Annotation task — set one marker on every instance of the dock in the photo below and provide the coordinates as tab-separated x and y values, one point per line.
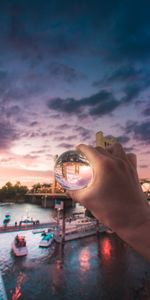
23	227
3	295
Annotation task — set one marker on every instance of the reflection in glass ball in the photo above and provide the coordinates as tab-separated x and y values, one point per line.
73	171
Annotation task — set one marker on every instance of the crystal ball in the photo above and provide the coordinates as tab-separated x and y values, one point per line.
73	171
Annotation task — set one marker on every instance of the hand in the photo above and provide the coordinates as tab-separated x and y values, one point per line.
115	196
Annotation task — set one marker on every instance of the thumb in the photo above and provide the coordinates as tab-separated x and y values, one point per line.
132	159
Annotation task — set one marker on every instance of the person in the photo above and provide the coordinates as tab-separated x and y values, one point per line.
115	196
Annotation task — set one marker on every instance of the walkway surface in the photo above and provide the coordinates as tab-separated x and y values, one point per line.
9	228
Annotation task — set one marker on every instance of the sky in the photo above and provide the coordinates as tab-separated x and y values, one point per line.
67	70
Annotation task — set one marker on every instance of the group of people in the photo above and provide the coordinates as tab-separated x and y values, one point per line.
22	222
20	241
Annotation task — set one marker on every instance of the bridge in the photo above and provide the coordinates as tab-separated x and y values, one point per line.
48	199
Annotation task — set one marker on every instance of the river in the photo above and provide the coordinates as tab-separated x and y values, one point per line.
101	268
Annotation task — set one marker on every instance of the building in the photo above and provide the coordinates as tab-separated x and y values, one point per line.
102	141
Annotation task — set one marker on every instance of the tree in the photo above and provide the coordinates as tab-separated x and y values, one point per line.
9	191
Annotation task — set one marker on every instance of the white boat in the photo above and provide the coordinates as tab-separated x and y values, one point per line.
19	247
35	231
76	232
28	220
47	240
79	222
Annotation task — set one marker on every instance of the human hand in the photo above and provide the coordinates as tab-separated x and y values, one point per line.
115	196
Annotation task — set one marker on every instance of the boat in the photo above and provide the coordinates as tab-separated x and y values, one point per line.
35	231
81	230
47	240
19	247
76	232
28	220
7	219
79	222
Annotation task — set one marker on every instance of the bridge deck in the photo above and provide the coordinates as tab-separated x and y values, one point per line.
47	194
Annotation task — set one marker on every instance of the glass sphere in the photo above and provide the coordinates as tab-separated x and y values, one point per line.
73	171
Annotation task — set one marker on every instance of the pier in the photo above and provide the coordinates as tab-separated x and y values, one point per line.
23	227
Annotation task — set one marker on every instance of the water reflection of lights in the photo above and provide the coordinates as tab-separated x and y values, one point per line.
17	294
84	259
106	248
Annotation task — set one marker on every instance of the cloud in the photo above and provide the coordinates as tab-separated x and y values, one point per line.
69	106
105	107
128	73
123	139
65	138
84	133
123	74
8	134
65	145
61	71
146	111
140	132
11	111
143	166
63	126
34	123
98	104
131	93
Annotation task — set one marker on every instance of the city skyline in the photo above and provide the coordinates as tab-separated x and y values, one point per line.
67	70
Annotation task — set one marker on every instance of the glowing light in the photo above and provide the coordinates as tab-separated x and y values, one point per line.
17	294
146	187
106	248
84	259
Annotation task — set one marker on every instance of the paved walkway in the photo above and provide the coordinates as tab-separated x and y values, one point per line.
9	228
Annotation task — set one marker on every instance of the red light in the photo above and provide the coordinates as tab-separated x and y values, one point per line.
106	248
17	294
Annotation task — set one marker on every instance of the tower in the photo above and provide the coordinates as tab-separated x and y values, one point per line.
102	141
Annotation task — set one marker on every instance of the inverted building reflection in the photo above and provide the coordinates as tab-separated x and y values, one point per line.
84	259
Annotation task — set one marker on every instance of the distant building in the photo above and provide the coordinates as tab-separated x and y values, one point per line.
103	141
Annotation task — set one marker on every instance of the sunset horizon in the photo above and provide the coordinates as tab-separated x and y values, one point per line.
29	177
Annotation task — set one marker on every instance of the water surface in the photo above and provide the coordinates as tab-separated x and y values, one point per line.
101	268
